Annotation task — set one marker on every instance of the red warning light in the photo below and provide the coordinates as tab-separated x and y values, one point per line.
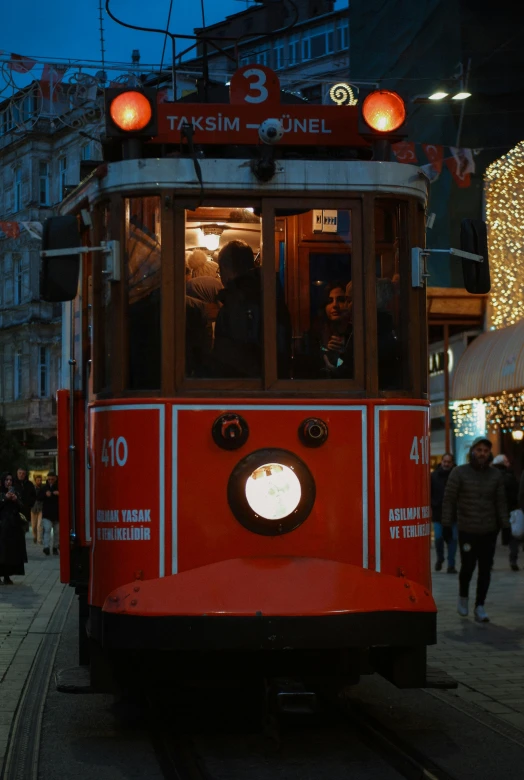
384	111
131	111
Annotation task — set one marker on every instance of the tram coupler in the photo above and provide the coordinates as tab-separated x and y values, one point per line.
291	697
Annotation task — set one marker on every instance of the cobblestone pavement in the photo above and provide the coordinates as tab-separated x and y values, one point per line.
25	610
487	659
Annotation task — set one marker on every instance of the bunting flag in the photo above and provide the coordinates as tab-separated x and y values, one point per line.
435	155
404	151
12	228
461	164
21	64
51	76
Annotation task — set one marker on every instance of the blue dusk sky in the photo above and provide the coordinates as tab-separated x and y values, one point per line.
70	29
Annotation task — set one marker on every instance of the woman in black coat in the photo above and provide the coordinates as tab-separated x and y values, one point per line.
13	553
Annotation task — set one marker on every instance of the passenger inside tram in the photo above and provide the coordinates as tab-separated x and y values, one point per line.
237	348
328	347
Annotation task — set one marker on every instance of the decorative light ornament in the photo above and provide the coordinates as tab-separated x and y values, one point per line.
517	435
342	94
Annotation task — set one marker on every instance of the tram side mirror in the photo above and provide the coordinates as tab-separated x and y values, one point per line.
474	239
59	274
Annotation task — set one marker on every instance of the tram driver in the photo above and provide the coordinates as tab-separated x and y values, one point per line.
237	349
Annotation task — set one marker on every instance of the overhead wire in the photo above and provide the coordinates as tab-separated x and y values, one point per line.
165	36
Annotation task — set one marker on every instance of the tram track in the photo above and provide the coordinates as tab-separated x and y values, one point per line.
195	756
24	746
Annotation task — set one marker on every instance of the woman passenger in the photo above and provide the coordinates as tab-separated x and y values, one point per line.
331	344
13	552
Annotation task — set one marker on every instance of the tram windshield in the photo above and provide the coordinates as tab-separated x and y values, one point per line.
273	296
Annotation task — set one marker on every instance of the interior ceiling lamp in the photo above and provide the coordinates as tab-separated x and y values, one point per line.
517	435
210	236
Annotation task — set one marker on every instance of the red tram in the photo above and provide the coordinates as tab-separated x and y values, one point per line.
244	475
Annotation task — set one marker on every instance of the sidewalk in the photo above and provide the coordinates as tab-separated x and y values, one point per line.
487	659
25	610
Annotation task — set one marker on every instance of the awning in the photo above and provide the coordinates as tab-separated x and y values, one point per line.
492	363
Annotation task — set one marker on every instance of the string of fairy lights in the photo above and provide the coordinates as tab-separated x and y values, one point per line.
505	218
504	413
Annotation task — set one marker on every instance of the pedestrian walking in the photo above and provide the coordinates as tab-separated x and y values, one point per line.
13	554
475	496
49	497
511	486
27	492
439	480
36	513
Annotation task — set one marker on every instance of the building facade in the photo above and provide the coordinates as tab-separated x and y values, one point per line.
41	151
309	51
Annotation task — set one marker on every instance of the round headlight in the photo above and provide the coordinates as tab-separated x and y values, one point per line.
271	492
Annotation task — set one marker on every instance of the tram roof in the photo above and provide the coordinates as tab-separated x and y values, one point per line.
320	178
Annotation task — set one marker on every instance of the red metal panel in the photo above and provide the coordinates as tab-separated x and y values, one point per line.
207	529
128	496
271	586
402	495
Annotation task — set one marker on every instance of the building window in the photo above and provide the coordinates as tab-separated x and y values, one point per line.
43	372
85	152
18	190
18	375
342	34
62	174
43	186
278	56
18	279
318	43
6	121
294	50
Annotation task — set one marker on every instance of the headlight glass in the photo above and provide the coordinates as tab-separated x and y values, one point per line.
273	491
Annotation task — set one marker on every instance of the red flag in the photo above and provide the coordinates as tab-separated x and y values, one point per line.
21	64
404	151
435	154
461	165
51	76
11	229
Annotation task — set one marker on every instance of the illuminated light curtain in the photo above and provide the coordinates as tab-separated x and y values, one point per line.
505	219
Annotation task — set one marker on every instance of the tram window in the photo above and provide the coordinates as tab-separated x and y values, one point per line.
143	253
315	304
223	293
391	339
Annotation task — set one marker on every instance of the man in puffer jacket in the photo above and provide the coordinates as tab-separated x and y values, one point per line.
475	495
